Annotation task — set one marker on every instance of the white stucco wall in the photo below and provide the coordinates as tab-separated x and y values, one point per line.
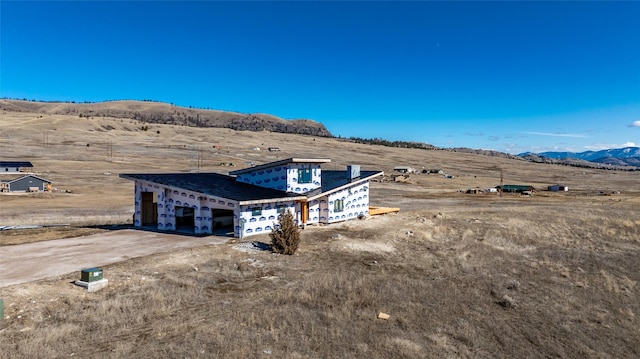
169	198
275	178
323	208
284	178
9	170
251	225
356	202
292	177
314	211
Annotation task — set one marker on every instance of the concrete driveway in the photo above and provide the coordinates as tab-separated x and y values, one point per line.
32	261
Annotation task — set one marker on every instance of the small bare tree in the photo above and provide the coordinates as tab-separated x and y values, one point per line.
285	237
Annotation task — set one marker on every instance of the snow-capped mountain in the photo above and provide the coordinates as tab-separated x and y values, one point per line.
629	156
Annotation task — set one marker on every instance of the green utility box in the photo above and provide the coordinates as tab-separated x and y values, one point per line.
1	309
91	274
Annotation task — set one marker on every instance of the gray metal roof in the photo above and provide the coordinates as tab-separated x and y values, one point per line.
279	163
15	164
214	184
34	176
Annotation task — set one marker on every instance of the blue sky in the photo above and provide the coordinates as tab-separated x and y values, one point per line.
509	76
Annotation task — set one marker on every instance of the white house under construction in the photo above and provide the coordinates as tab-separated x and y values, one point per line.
250	200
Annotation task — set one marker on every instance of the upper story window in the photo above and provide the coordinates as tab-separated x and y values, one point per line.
304	175
256	211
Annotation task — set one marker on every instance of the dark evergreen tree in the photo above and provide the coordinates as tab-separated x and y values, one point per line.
285	237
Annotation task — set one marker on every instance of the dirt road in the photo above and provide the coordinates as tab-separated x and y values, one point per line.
27	262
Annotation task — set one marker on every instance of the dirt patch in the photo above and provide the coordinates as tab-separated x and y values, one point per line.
454	293
369	246
21	236
33	261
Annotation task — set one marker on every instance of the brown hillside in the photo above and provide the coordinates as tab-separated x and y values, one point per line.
164	113
553	275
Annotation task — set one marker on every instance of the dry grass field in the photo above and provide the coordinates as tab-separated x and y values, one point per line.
554	275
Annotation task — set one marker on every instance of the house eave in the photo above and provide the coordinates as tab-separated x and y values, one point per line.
271	200
280	198
29	175
347	185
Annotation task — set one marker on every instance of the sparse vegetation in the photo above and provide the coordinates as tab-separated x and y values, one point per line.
492	287
285	237
399	144
555	275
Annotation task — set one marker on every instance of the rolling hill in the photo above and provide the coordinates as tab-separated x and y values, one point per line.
153	112
165	113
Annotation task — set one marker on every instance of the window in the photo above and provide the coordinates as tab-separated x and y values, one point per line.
281	208
338	205
256	211
304	175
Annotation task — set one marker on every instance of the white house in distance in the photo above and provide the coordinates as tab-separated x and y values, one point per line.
13	166
404	169
249	200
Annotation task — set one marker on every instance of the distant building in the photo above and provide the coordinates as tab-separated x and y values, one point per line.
14	167
28	183
474	191
516	188
558	188
404	169
436	171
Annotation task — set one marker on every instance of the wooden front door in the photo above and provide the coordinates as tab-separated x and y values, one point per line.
304	212
149	210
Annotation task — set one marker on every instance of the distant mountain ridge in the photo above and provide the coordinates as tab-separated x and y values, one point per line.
627	156
165	113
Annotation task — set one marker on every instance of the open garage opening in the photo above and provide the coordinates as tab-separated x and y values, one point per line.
222	222
185	219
